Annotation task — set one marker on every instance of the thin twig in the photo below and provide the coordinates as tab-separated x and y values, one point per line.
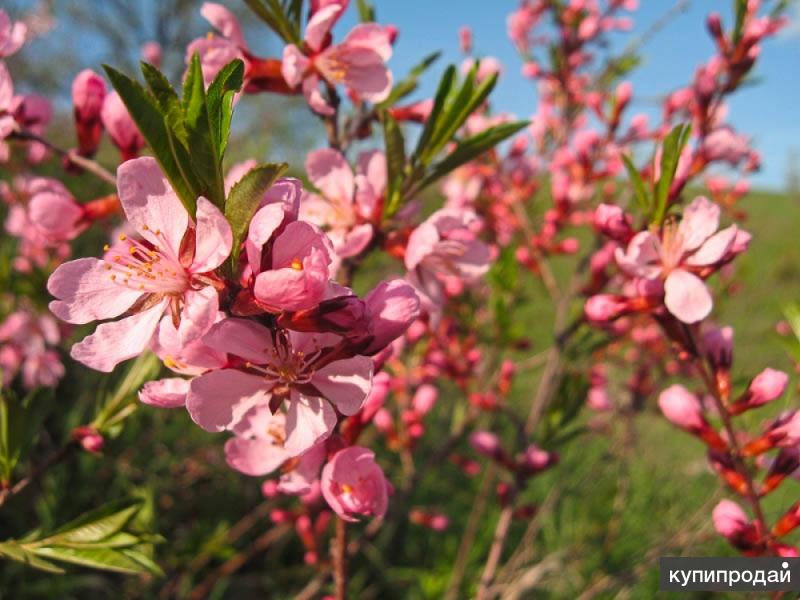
339	556
37	472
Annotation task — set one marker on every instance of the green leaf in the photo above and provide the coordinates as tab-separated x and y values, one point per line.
16	552
106	559
670	155
395	161
148	117
445	84
740	10
470	148
219	98
244	198
272	13
366	11
96	525
639	189
167	99
20	423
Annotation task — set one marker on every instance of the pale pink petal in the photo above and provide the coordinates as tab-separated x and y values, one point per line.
150	204
714	248
421	243
393	306
223	21
686	296
298	240
320	24
346	383
360	69
198	315
214	238
85	292
218	400
6	88
373	37
328	170
165	393
246	339
309	420
116	341
294	65
642	257
700	221
264	223
255	457
315	98
355	241
299	480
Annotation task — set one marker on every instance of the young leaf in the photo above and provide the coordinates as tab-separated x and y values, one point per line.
106	559
219	98
403	88
445	84
366	11
395	152
272	13
151	123
470	148
96	525
244	198
16	552
670	156
639	189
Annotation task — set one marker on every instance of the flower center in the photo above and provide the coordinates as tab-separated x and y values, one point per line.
297	264
145	267
672	246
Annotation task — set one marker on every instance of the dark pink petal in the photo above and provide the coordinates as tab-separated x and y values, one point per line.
686	296
85	292
243	338
219	399
111	343
346	383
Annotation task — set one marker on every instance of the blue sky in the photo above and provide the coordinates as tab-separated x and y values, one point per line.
768	111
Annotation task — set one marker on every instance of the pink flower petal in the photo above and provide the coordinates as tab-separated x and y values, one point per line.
214	238
421	243
219	399
116	341
354	241
294	65
198	315
224	21
714	248
243	338
328	170
373	37
320	24
314	97
255	457
309	420
687	297
393	305
150	204
85	292
346	383
642	257
165	393
700	221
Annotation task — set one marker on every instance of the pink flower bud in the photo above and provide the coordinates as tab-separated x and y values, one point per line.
729	519
89	439
682	408
353	484
383	421
151	53
766	387
719	347
465	39
534	460
424	399
605	307
270	488
120	126
623	94
486	443
88	93
612	221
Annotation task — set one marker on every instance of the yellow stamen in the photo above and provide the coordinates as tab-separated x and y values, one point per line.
297	264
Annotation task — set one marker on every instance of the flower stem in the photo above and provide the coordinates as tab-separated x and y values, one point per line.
339	557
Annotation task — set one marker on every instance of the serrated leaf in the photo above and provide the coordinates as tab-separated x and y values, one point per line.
166	97
670	156
472	147
244	198
106	559
445	84
96	525
639	189
148	117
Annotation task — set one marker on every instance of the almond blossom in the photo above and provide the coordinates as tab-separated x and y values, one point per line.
301	369
682	256
12	35
354	485
167	271
120	127
358	62
350	202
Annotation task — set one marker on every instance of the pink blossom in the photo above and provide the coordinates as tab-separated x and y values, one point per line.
151	52
678	254
424	399
32	113
730	520
291	366
766	387
26	341
12	35
54	211
358	62
7	122
169	392
350	202
157	274
216	51
486	443
120	127
257	448
444	247
353	484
